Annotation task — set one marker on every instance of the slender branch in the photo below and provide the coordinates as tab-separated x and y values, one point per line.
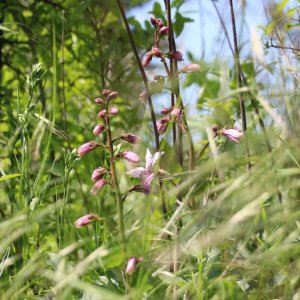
239	82
115	181
145	80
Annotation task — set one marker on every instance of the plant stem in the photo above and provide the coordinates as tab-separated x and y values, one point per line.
145	80
239	82
115	181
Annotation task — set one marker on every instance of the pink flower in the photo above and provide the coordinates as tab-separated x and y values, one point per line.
114	111
86	148
159	23
99	101
132	263
164	30
102	114
177	113
153	21
98	173
190	68
156	52
113	95
130	138
177	55
98	129
143	96
147	59
145	174
162	124
165	110
131	156
233	134
98	186
106	92
85	220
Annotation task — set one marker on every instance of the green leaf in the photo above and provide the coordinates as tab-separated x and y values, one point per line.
7	177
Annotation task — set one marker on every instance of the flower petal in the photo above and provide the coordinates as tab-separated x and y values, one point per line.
138	172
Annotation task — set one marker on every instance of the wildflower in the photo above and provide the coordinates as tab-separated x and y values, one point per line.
130	138
102	114
99	101
156	52
114	111
98	173
86	148
190	68
147	59
106	92
164	30
85	220
98	186
145	174
177	56
177	113
165	110
143	96
159	23
153	21
98	129
132	263
233	134
113	95
130	156
162	124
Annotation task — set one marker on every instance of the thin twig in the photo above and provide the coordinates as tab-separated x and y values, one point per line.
145	80
239	82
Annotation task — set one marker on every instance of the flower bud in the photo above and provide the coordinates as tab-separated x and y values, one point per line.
98	173
177	55
86	148
156	52
99	101
159	77
233	134
153	21
166	110
98	186
164	30
190	68
113	111
102	114
132	263
98	129
162	125
130	138
159	23
106	92
113	95
177	113
85	220
130	156
147	59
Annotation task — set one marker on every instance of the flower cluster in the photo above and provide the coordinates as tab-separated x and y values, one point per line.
101	176
172	114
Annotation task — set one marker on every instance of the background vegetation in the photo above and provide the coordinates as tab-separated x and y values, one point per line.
231	226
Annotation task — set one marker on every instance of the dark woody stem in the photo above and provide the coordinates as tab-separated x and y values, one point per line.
239	82
145	80
115	181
